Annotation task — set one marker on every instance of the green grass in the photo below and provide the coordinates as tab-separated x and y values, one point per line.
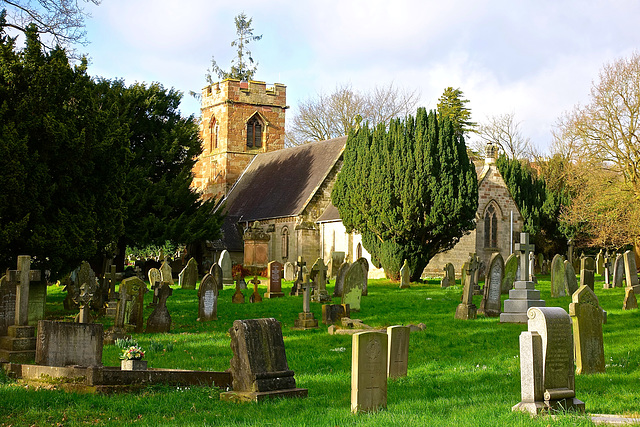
460	372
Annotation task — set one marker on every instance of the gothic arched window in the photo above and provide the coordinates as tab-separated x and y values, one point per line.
213	134
490	227
254	132
285	242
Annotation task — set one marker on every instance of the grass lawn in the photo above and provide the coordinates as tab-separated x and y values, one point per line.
461	373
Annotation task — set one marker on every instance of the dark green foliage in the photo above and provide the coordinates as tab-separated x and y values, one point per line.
411	190
452	105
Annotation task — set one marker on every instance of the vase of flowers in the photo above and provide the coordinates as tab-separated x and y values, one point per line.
131	359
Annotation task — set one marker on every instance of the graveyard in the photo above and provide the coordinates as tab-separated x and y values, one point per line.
460	372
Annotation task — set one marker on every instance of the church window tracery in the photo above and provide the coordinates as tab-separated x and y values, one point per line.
254	132
491	227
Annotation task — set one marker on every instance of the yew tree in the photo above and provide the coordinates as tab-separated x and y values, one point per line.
409	189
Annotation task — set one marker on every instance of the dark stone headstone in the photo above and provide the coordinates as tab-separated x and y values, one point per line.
160	320
66	343
208	299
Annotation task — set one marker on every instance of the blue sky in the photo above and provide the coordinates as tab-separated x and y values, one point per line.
536	59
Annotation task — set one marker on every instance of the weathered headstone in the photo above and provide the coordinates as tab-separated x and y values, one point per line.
160	320
587	263
188	277
226	265
306	319
547	377
510	273
491	305
405	275
398	351
368	371
167	272
587	278
289	271
532	267
333	313
558	277
337	258
319	277
467	309
296	289
449	278
364	264
630	302
84	299
586	317
259	365
208	299
606	271
131	302
155	280
463	273
66	343
524	295
256	247
599	262
342	272
274	285
7	305
618	271
570	280
631	272
255	296
353	282
216	272
238	296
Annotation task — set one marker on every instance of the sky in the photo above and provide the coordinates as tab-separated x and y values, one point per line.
536	59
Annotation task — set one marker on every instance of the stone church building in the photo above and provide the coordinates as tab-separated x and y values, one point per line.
245	166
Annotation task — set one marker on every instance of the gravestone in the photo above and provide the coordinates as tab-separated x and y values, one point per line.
570	278
368	371
532	266
547	376
405	275
524	295
599	262
66	343
289	271
238	296
337	258
510	273
319	277
467	309
208	299
7	305
274	284
353	283
631	272
259	365
587	263
333	313
630	302
226	265
216	272
587	278
160	320
132	302
586	317
188	277
618	271
255	296
449	278
167	272
475	273
606	271
306	319
84	299
71	288
256	248
110	280
558	277
364	264
463	273
398	351
296	289
490	305
155	280
342	272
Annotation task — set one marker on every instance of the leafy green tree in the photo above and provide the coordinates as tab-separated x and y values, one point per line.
243	66
410	190
452	105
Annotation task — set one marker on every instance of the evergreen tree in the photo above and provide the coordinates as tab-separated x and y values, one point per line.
452	105
410	190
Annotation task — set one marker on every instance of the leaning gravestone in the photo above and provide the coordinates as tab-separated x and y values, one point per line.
368	371
364	264
405	275
289	271
586	316
259	365
547	377
160	320
449	278
491	305
167	273
618	271
510	273
66	343
337	258
398	351
570	278
274	284
208	299
188	277
353	283
557	277
342	272
631	272
226	265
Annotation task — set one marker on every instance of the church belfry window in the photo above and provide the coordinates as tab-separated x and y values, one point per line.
254	132
491	227
285	243
213	134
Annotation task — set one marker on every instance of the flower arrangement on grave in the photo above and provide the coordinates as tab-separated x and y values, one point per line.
132	353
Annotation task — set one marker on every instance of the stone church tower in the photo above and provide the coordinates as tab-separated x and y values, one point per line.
239	121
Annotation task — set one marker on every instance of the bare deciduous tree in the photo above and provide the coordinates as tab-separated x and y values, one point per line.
333	115
504	131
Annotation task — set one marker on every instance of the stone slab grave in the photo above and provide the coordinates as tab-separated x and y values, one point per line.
289	271
167	272
369	371
274	283
587	317
306	319
467	310
259	365
226	265
491	306
353	283
188	277
159	320
524	295
449	278
319	277
67	343
364	264
208	299
18	288
511	267
618	271
547	377
631	271
405	275
334	313
570	278
398	351
342	272
155	280
630	301
558	278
